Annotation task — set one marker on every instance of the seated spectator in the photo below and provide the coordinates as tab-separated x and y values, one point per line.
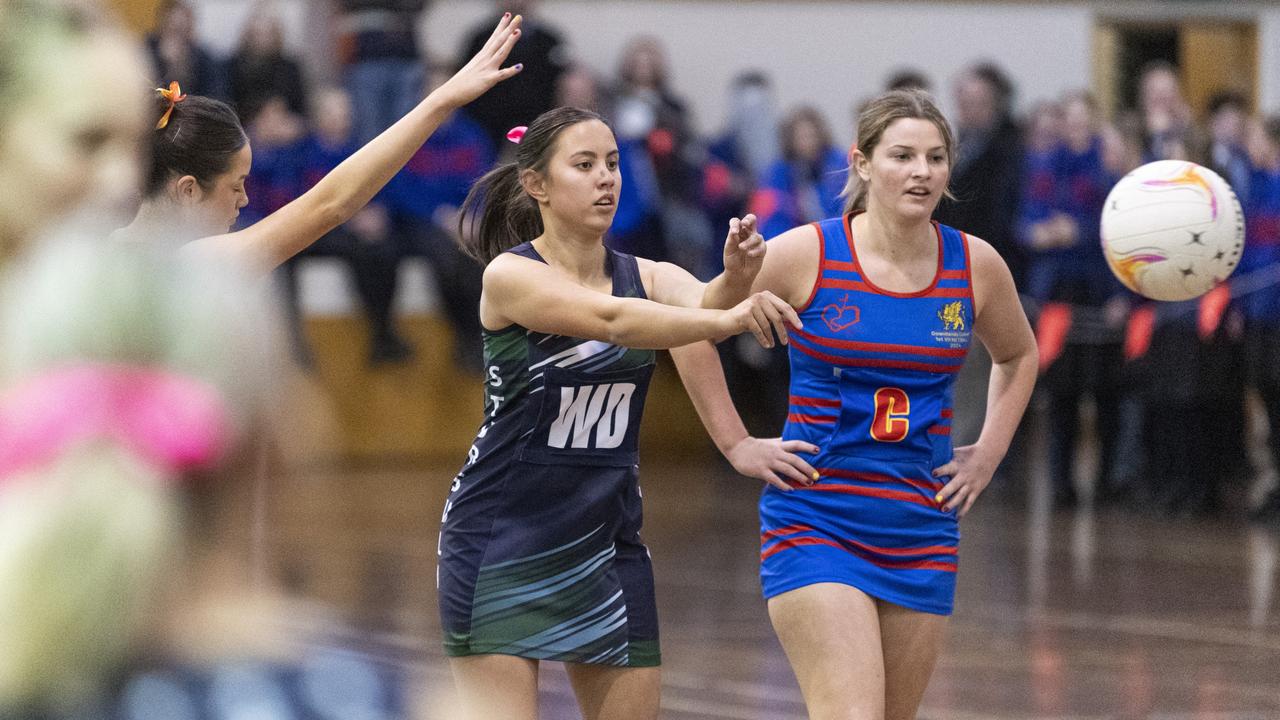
651	119
804	184
364	242
260	69
745	148
424	199
179	56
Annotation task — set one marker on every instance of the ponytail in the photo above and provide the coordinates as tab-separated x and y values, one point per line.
498	214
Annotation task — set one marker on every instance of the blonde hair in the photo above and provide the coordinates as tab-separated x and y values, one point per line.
85	538
876	117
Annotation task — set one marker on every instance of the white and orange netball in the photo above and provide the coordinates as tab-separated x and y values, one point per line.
1172	230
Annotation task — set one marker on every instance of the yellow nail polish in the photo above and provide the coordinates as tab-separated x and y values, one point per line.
815	474
937	498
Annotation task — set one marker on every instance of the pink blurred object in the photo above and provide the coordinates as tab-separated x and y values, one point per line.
516	134
178	423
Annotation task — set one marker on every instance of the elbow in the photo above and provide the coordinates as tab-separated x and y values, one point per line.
1033	358
614	324
334	212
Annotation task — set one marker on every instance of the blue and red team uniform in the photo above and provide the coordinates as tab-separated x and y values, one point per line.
871	386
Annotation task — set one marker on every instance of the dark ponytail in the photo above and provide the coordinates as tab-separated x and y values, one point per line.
498	214
200	139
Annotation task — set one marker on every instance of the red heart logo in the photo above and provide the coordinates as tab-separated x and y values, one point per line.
839	317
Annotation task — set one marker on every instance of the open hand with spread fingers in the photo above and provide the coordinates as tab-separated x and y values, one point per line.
485	69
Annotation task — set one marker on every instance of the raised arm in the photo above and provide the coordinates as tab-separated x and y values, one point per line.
744	252
1002	326
352	184
538	297
767	459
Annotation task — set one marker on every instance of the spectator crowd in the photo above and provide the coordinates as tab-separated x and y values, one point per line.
1170	385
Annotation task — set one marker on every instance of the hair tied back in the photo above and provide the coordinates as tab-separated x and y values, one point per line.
174	95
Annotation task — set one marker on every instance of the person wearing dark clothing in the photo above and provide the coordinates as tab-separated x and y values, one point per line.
985	179
178	57
281	174
424	199
543	54
261	70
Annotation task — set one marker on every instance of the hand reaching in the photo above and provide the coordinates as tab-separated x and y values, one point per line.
763	315
485	69
744	250
768	458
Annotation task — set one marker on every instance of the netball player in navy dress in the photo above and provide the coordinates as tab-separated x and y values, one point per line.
540	551
859	568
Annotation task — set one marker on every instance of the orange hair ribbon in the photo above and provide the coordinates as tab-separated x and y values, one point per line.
174	95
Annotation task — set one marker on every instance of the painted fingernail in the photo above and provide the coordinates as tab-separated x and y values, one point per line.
815	475
506	15
937	498
519	66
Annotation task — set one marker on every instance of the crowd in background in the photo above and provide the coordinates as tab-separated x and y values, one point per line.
1168	383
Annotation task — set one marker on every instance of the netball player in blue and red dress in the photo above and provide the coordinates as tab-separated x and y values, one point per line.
859	568
540	551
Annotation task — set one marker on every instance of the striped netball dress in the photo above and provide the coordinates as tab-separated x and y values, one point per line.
540	553
871	379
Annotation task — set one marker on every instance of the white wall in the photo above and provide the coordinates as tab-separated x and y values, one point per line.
1269	61
826	53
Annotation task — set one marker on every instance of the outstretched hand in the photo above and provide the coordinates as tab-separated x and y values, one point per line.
763	315
773	461
744	250
485	69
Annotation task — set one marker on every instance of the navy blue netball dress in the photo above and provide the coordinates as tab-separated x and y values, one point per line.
871	379
540	551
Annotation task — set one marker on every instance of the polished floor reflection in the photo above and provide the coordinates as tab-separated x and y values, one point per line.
1059	615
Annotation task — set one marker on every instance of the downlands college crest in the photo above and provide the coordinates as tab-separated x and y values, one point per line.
955	331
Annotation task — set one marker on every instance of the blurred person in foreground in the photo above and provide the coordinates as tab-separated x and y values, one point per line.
77	141
104	398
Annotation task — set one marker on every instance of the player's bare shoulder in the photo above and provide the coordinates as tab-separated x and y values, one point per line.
988	270
791	264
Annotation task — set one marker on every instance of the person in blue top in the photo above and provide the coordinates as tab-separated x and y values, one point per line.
423	200
540	549
1261	265
1067	266
805	183
859	568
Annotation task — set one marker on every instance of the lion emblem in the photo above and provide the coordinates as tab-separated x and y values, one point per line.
952	316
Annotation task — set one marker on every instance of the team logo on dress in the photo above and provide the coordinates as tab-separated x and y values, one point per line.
600	410
955	331
842	315
952	316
